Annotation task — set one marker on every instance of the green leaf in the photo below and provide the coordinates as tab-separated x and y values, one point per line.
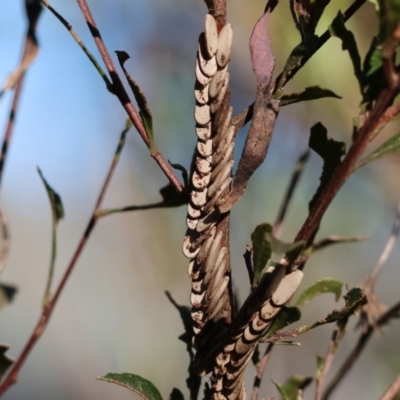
390	146
144	111
290	250
287	343
5	361
184	312
320	367
339	30
261	251
373	75
327	285
302	51
176	394
292	389
137	384
208	392
256	356
309	93
7	294
170	196
287	316
329	150
354	299
55	200
193	381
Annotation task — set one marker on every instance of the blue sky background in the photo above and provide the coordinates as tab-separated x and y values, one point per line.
113	315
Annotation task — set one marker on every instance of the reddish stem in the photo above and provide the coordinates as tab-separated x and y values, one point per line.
122	94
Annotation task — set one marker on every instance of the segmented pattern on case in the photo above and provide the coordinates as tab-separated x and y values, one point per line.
205	243
254	317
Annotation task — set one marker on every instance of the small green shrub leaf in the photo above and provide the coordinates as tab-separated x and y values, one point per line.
327	285
292	389
331	151
302	51
320	367
390	146
354	298
373	74
309	93
136	383
261	250
287	316
256	356
176	394
184	312
287	343
5	361
144	111
7	294
170	196
339	30
56	204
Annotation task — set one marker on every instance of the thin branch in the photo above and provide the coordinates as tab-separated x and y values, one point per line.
260	368
392	391
12	376
298	170
351	359
344	169
122	95
16	80
337	336
389	246
80	43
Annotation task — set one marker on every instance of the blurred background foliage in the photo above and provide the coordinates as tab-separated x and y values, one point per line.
113	315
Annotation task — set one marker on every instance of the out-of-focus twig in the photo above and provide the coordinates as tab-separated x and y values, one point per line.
298	170
392	391
260	368
80	43
393	312
16	80
389	245
12	376
337	336
120	92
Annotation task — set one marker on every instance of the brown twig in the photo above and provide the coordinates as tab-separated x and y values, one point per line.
29	53
12	376
80	43
361	343
337	336
122	95
298	170
392	391
344	169
389	245
260	368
